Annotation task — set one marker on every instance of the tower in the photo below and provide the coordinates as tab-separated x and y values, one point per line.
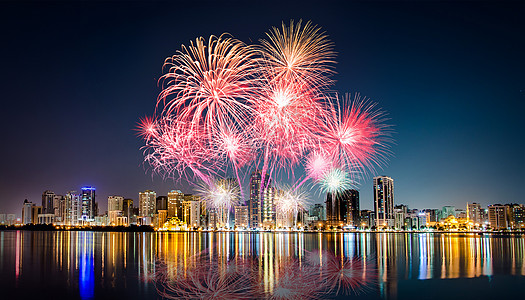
384	201
88	203
147	203
259	199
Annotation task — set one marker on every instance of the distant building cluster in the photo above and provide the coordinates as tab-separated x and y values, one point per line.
183	211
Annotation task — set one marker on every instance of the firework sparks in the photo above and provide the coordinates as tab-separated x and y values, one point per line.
227	106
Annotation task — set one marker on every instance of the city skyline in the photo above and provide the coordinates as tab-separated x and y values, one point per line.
454	129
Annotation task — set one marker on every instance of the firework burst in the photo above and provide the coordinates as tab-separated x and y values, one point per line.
227	106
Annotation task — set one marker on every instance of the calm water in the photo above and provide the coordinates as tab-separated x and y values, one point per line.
99	265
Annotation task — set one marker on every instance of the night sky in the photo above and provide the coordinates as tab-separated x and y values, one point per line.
77	77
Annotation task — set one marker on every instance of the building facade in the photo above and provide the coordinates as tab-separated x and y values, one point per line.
384	201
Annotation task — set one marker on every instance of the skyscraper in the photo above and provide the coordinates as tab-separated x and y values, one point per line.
384	201
27	211
115	209
147	203
474	212
88	203
498	216
73	208
259	199
343	209
47	202
175	199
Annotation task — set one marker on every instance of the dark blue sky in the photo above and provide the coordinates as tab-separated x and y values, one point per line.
76	78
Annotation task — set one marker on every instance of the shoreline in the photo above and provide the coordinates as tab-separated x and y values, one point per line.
134	228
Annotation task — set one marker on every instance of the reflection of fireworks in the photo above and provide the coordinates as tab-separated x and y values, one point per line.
207	281
320	276
347	275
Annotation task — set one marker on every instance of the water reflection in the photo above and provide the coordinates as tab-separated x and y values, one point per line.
87	265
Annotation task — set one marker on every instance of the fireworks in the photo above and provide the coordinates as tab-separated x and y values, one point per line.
226	107
335	181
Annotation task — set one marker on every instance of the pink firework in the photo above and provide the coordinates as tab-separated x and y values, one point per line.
173	147
210	85
355	135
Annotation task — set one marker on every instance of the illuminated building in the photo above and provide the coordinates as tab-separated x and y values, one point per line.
343	209
384	201
27	210
128	211
59	205
367	218
115	209
47	202
46	218
475	212
36	210
261	200
517	215
72	208
175	198
87	197
241	216
147	203
498	217
400	213
192	210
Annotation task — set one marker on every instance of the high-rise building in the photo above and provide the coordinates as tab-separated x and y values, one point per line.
27	210
400	213
47	202
147	203
261	200
192	210
115	209
175	199
498	216
384	201
59	208
516	215
475	212
343	208
87	196
72	208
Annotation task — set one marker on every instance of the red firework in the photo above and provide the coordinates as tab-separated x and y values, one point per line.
355	135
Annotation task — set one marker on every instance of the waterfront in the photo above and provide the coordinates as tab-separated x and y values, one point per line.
87	265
